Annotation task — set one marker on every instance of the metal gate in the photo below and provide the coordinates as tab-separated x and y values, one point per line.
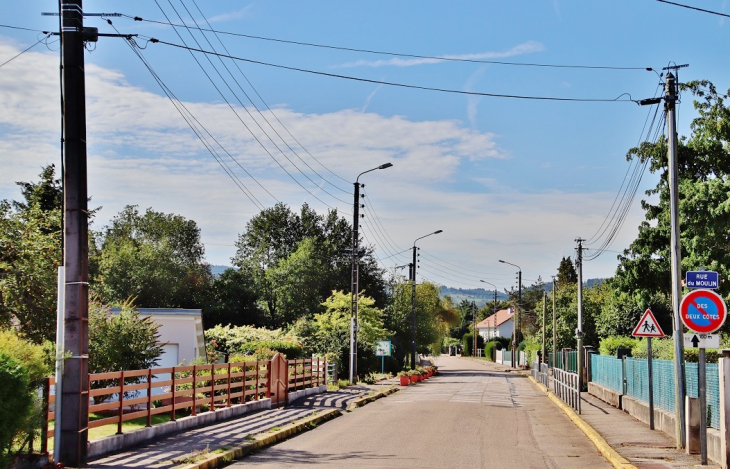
279	381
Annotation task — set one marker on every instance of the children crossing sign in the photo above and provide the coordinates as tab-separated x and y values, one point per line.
648	326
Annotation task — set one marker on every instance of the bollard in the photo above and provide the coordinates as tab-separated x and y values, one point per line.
692	428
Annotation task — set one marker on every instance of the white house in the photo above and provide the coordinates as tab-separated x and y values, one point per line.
499	324
181	332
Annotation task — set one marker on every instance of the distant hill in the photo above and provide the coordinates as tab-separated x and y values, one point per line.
481	296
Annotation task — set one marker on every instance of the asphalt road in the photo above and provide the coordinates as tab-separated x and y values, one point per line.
468	417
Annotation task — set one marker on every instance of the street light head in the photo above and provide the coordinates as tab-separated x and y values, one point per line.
386	165
503	262
439	231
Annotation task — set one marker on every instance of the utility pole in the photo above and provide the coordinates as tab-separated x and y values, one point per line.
354	315
544	310
474	319
518	322
579	330
670	100
413	310
71	450
555	323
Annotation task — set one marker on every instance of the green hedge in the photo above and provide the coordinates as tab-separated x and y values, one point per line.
16	403
289	349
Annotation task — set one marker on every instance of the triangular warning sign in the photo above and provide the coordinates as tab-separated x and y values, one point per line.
648	326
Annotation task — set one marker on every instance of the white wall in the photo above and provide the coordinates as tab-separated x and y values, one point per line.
503	330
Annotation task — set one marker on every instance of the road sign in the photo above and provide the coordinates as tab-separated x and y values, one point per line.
703	311
702	279
648	326
701	340
382	348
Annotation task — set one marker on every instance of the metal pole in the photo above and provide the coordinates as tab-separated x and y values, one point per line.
702	381
544	310
413	310
651	383
494	332
519	315
579	330
474	320
355	279
670	101
555	323
75	392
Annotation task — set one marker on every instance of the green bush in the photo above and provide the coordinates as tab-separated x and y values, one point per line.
609	345
16	403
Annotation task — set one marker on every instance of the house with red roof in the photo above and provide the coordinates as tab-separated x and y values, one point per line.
499	324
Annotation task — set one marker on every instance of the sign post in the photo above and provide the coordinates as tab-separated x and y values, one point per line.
648	327
382	350
704	312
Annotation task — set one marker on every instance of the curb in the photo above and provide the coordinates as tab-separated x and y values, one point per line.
366	400
262	441
618	461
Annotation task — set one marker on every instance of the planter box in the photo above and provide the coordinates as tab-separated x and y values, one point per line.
405	381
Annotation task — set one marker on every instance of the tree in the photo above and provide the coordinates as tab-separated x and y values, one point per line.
566	272
704	212
233	301
297	259
155	258
30	253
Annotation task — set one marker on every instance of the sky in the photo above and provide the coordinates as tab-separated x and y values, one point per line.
504	178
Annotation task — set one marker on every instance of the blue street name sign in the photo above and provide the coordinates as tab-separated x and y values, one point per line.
703	279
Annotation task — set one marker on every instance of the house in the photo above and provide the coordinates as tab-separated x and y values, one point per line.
499	324
181	333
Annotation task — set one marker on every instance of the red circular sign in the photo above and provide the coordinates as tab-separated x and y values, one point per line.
703	311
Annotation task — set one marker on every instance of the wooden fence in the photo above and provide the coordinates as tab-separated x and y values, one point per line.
128	395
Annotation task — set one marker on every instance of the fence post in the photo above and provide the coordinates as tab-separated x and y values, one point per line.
149	397
212	387
195	380
172	412
268	379
228	401
257	381
121	401
46	398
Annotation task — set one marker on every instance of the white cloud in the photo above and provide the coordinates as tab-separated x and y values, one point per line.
524	48
233	15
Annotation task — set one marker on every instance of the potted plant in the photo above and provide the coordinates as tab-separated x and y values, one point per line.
414	376
404	378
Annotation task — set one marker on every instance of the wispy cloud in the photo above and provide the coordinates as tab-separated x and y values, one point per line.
233	15
472	102
370	98
524	48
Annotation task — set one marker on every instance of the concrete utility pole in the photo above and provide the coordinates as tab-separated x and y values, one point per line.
544	311
413	299
579	330
474	319
71	450
355	291
670	100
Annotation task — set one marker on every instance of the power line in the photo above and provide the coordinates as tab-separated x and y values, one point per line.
26	50
403	54
231	107
23	29
400	85
695	8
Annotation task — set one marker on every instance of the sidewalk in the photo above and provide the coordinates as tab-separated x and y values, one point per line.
178	449
627	436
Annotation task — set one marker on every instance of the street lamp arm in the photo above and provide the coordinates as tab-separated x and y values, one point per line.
515	265
382	166
426	236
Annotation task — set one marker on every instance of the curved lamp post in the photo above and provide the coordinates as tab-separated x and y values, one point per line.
413	299
517	310
354	316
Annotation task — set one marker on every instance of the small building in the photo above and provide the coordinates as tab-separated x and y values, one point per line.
499	324
181	333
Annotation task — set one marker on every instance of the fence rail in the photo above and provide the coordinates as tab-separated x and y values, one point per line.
119	397
566	388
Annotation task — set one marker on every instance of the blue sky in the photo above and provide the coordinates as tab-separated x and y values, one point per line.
504	178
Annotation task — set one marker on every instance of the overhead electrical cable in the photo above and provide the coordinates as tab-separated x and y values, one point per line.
261	114
402	54
192	123
234	111
695	8
483	274
23	29
400	85
26	50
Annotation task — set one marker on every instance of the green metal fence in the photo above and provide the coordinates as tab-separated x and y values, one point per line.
572	361
607	371
712	385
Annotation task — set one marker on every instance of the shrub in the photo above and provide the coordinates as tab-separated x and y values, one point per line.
610	345
16	403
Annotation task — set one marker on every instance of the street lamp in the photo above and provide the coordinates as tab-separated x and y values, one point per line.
494	311
413	299
354	313
516	329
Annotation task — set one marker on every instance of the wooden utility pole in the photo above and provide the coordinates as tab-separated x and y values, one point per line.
71	450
